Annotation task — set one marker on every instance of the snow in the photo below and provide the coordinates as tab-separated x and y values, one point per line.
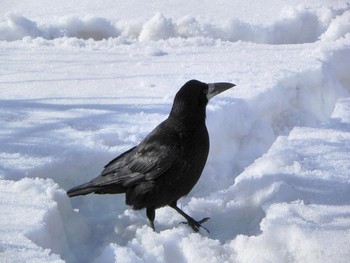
293	25
81	83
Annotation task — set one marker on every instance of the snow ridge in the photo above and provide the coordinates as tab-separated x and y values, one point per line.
297	25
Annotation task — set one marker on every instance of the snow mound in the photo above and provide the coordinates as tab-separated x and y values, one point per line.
38	230
17	27
339	27
294	25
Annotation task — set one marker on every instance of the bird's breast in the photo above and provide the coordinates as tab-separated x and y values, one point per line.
193	156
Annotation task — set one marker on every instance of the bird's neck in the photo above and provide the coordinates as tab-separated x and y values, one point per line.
187	119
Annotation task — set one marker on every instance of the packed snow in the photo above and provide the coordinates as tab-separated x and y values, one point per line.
81	83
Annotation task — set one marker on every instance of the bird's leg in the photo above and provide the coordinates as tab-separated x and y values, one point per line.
151	214
195	225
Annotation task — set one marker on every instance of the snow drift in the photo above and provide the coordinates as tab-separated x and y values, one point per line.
295	25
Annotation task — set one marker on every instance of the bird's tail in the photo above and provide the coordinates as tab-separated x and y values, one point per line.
83	189
96	188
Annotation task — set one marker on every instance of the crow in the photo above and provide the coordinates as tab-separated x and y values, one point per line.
168	162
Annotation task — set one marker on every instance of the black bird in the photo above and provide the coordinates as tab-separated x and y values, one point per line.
168	163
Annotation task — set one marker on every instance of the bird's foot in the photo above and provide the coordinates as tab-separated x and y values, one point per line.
196	225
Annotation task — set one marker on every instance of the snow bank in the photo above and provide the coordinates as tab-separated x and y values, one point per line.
294	25
294	183
17	27
304	99
298	233
36	214
339	27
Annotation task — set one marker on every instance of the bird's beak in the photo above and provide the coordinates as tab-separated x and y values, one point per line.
216	88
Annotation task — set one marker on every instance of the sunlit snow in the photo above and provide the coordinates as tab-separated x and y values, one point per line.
80	83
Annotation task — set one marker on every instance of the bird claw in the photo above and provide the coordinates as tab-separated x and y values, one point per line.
196	225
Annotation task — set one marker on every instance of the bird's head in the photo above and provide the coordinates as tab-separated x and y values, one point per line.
192	98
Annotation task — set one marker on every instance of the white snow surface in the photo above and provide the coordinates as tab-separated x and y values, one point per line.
80	83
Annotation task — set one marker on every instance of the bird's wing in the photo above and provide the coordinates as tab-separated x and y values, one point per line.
148	163
145	162
117	163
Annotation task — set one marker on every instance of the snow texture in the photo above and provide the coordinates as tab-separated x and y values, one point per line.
81	83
